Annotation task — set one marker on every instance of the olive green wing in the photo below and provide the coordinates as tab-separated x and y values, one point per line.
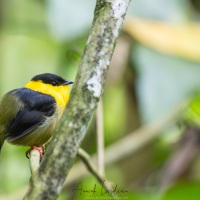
10	105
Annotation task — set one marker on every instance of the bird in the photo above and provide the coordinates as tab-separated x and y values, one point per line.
29	115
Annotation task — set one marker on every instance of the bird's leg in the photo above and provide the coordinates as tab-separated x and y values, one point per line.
40	149
43	149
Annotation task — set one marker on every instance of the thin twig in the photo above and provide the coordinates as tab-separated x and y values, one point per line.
84	156
100	138
34	160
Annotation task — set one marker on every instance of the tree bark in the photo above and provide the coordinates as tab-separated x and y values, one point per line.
86	92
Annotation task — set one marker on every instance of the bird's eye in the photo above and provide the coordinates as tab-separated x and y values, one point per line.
54	83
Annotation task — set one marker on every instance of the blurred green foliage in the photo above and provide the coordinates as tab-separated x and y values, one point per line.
184	191
192	114
42	36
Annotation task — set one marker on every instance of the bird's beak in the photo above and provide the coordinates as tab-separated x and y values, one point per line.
68	82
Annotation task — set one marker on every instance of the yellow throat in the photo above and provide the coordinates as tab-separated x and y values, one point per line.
59	93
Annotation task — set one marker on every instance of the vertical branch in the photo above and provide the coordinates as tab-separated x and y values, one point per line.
86	92
100	138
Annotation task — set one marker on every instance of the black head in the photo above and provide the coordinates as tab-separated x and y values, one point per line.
52	79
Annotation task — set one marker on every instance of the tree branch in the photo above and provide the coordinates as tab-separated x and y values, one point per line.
34	161
87	89
84	156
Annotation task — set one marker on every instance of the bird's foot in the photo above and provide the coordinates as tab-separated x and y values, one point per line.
40	149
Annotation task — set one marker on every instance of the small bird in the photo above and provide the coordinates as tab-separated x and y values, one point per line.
29	115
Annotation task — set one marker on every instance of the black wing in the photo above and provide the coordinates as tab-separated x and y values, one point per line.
36	107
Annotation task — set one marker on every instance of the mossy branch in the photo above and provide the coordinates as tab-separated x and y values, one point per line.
88	87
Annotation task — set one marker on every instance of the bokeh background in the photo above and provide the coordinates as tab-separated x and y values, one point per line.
151	101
